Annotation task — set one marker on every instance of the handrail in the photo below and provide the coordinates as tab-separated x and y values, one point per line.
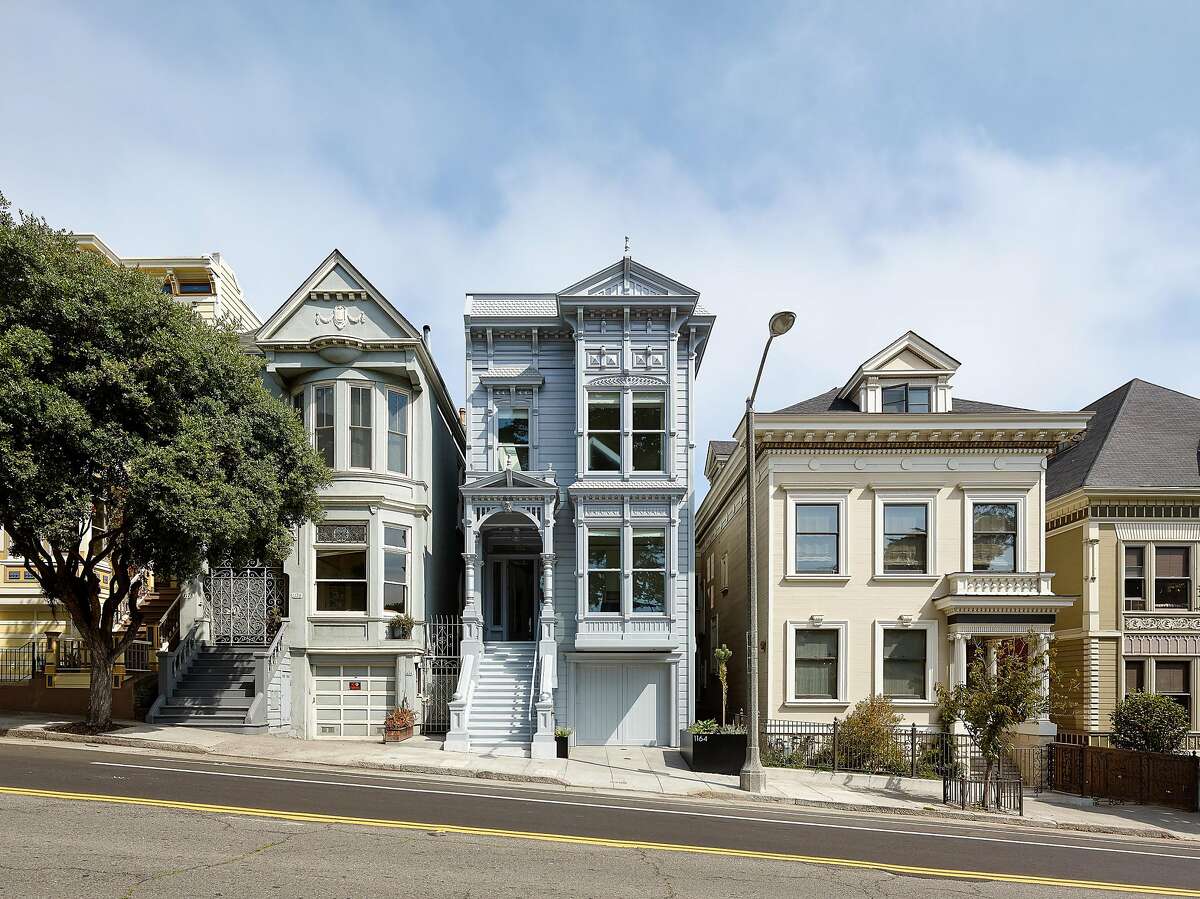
266	663
533	682
15	668
172	664
165	631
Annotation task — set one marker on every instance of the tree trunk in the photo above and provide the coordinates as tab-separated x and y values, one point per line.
100	691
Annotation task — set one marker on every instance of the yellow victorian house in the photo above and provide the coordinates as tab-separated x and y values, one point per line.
208	284
1123	533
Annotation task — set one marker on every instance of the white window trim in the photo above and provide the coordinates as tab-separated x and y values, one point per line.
1151	565
310	420
931	659
407	551
622	432
835	496
724	571
511	407
843	628
386	431
668	593
1147	583
365	548
373	392
664	431
585	567
911	496
971	496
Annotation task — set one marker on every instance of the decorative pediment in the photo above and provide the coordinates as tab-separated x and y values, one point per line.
507	480
627	381
336	300
627	278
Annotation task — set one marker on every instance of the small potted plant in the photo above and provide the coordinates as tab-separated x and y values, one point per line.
398	725
562	737
401	627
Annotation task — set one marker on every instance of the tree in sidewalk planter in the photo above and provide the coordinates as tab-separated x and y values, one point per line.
1148	722
133	437
723	654
991	705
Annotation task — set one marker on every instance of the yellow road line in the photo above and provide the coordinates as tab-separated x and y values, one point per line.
314	818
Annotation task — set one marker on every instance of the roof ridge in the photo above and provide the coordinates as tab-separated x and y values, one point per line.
1127	387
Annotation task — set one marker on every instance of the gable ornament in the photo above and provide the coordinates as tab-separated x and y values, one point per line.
340	317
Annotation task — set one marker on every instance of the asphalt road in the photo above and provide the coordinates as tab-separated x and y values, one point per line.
99	823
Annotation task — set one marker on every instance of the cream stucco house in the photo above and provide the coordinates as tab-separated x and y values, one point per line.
900	530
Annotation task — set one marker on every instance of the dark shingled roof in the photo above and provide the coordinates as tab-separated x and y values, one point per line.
1141	435
722	447
829	402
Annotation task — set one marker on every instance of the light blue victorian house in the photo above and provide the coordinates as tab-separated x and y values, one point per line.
578	514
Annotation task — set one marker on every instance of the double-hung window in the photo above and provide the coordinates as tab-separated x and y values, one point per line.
604	432
904	663
649	570
906	398
1135	676
994	536
1172	577
360	426
341	574
323	421
1135	579
905	538
604	571
512	431
397	445
649	432
395	568
816	547
1173	679
815	663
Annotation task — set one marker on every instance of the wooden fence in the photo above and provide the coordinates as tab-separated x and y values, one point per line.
1120	774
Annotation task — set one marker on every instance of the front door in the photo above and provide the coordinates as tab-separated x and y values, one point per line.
512	598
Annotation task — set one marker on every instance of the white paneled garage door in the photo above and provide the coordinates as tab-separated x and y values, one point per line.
621	704
353	699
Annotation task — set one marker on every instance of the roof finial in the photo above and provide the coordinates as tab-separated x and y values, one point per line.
626	246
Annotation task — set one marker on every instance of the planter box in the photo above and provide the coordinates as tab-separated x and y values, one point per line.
560	745
714	753
397	736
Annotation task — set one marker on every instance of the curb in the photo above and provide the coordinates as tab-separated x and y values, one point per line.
707	795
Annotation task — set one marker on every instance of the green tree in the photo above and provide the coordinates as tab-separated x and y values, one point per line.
990	705
723	654
132	436
1147	722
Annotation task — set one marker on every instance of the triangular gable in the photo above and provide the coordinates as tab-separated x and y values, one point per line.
508	479
336	300
910	352
628	278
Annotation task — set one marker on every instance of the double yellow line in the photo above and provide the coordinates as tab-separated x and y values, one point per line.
313	818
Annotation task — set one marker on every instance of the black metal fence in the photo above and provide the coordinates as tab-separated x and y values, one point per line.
1103	739
74	654
22	663
1005	794
439	671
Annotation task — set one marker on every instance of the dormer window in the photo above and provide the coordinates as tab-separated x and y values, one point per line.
201	288
906	398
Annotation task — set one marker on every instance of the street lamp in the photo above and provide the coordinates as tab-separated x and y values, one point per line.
753	778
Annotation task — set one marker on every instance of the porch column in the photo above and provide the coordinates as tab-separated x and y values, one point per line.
472	610
958	671
990	648
546	618
542	746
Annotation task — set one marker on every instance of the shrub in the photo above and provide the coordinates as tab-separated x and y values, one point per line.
1147	722
866	739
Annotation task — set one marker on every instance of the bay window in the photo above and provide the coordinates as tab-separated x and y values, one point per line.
395	568
1135	676
604	432
994	536
1172	577
1173	679
397	444
323	421
342	580
649	432
1135	579
649	570
604	571
360	426
512	431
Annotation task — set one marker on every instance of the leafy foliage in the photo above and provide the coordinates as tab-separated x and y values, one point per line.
723	654
866	740
990	705
133	436
1148	722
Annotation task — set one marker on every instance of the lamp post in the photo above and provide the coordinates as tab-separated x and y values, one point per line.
753	778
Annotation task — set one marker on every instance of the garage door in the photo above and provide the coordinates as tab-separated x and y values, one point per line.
621	704
353	699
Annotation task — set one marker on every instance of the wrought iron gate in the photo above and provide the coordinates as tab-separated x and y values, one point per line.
246	604
439	671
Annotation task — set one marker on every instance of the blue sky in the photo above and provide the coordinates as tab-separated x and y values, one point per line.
1016	181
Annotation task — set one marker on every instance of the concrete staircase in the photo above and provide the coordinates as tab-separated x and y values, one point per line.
215	692
499	717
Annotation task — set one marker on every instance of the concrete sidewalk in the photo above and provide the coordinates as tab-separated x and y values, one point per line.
651	771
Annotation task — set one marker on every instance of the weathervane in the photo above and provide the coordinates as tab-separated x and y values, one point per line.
626	244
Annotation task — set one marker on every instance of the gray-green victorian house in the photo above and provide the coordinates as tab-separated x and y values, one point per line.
362	379
578	514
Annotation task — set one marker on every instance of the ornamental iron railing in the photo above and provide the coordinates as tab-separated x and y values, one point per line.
22	663
439	671
1004	794
1122	775
245	604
